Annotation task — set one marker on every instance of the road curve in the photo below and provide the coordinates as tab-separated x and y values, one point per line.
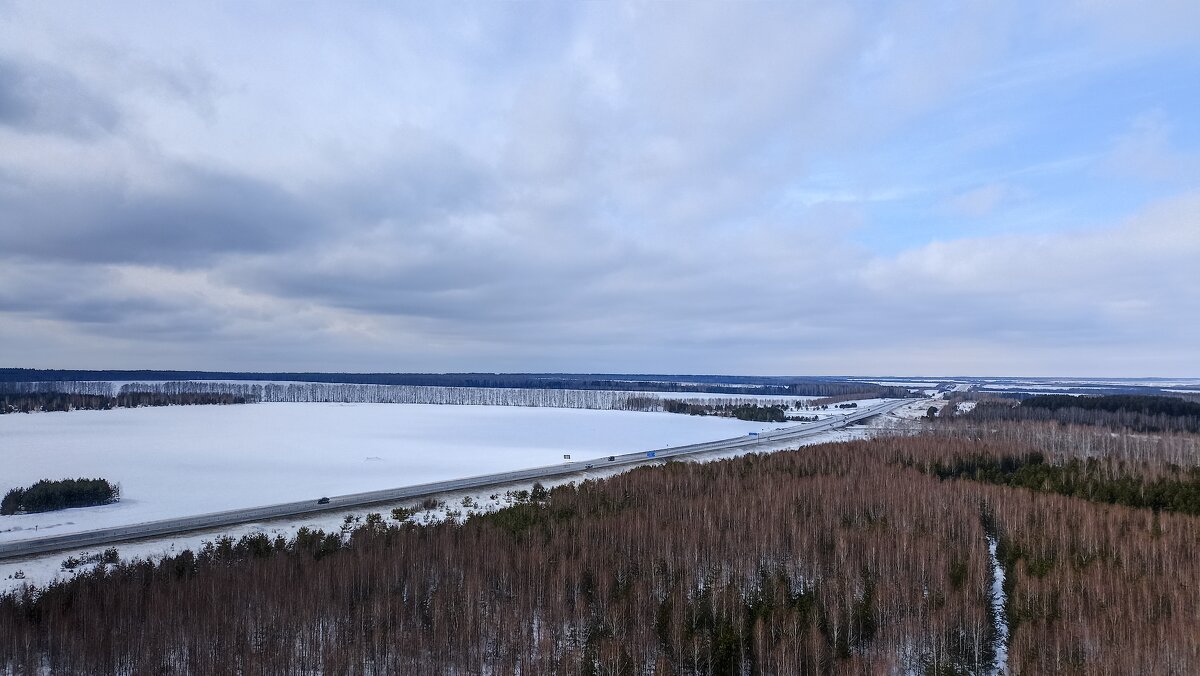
108	536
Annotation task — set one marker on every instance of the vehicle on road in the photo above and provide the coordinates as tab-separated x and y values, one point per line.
323	501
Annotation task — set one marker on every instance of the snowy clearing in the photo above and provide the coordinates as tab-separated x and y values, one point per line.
185	460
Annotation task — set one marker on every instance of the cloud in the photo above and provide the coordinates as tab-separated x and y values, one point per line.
1119	285
1145	152
983	201
199	215
1148	26
43	98
641	186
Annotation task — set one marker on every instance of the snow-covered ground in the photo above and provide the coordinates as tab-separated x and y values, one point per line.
185	460
40	570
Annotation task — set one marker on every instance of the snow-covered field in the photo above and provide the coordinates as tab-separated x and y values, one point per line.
185	460
40	570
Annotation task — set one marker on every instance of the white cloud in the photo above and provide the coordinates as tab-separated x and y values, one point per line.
984	200
641	187
1145	152
1133	279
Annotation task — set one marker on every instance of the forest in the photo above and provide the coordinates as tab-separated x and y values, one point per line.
1118	412
742	409
859	557
29	402
716	384
759	413
71	395
47	495
1149	405
751	412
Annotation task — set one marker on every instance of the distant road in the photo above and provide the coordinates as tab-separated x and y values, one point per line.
108	536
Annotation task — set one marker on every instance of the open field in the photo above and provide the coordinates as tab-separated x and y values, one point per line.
184	460
40	570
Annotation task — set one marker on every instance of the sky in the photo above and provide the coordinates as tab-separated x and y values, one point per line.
953	188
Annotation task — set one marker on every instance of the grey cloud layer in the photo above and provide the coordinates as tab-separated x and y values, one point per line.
618	196
106	221
38	97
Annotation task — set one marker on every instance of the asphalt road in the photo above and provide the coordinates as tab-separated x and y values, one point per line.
108	536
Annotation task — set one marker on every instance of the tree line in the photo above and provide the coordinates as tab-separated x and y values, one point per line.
1095	479
746	409
420	394
718	384
760	413
60	401
1122	412
47	495
1149	405
66	396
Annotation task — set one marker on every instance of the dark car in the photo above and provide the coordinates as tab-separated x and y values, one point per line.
323	501
611	458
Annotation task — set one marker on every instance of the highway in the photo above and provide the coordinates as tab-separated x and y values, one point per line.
109	536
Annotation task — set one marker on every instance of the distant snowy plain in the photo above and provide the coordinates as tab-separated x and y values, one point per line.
185	460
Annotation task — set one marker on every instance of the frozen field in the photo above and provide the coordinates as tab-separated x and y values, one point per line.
183	460
41	570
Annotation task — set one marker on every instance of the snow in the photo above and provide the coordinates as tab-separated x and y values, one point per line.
184	460
40	570
917	409
999	600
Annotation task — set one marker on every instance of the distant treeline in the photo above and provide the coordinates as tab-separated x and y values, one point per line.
744	411
1091	479
1149	405
1120	412
760	413
420	394
93	387
68	395
60	401
47	496
408	394
685	407
779	385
